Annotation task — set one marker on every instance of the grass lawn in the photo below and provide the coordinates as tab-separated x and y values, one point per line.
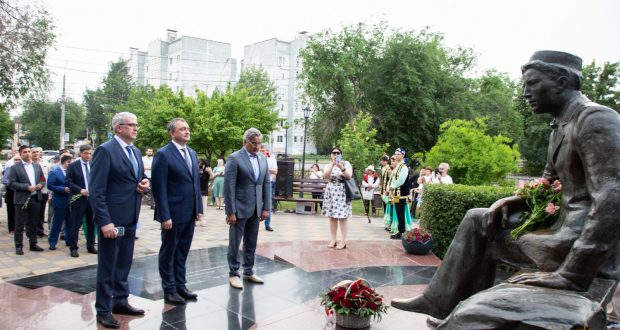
358	206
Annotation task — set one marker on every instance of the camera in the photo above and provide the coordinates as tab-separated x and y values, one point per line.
437	171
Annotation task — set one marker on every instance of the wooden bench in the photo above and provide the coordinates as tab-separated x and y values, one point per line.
307	187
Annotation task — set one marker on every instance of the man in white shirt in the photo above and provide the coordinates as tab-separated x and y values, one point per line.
147	160
37	158
272	164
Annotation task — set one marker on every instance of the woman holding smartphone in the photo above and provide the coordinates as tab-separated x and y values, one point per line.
335	204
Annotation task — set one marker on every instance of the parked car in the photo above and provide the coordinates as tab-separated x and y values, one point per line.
49	154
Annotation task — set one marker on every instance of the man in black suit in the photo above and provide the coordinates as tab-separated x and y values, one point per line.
116	187
26	179
78	177
176	188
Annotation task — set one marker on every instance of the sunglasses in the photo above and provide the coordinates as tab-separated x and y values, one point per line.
335	152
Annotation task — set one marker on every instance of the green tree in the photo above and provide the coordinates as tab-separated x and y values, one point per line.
256	81
335	74
417	78
41	121
217	123
474	157
103	103
601	84
7	128
359	143
26	35
493	96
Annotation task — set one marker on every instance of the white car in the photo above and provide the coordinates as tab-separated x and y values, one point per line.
49	154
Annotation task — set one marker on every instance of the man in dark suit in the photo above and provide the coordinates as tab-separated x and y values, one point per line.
26	179
176	188
60	199
78	177
247	196
584	155
116	187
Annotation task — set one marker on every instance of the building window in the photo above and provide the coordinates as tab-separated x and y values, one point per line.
280	138
171	60
281	107
169	76
295	138
147	68
178	58
281	60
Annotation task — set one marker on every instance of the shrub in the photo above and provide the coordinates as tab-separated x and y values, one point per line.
445	206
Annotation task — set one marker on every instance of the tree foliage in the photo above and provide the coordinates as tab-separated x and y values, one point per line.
474	157
101	104
601	84
257	83
335	76
7	128
359	143
41	121
217	123
26	35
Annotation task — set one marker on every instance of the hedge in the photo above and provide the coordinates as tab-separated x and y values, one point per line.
445	206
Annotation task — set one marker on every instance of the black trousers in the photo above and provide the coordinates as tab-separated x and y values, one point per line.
10	209
78	211
400	214
42	207
27	218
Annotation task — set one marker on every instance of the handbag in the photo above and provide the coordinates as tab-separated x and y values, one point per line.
352	192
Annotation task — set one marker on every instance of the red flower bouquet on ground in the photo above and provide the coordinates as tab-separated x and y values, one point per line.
417	241
354	298
543	199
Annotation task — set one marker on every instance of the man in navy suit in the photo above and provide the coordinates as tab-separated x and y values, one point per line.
60	199
176	189
116	188
78	177
248	199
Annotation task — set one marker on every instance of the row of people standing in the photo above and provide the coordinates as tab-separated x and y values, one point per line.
28	178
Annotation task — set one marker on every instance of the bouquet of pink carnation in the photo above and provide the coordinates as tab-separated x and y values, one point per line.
543	199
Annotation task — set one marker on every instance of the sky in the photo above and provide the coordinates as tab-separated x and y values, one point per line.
503	34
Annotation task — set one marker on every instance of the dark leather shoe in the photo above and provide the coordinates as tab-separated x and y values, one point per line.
52	247
74	253
173	299
19	251
108	321
268	229
396	236
36	248
186	294
92	250
127	309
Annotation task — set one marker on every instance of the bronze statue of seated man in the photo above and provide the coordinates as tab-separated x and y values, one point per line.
584	154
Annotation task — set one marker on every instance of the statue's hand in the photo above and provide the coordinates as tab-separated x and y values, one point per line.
497	212
546	279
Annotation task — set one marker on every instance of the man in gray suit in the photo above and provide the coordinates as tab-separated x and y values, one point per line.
26	179
247	195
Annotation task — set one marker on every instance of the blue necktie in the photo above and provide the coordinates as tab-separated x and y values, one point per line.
187	159
132	159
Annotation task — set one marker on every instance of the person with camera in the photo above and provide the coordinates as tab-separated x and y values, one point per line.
335	204
441	174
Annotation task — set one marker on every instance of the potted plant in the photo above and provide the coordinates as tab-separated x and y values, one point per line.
354	303
417	241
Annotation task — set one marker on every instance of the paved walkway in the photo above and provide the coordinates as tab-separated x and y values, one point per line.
289	227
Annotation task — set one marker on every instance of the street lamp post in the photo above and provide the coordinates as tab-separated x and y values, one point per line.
303	154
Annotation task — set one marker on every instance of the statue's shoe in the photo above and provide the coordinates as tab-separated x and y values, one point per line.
419	304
